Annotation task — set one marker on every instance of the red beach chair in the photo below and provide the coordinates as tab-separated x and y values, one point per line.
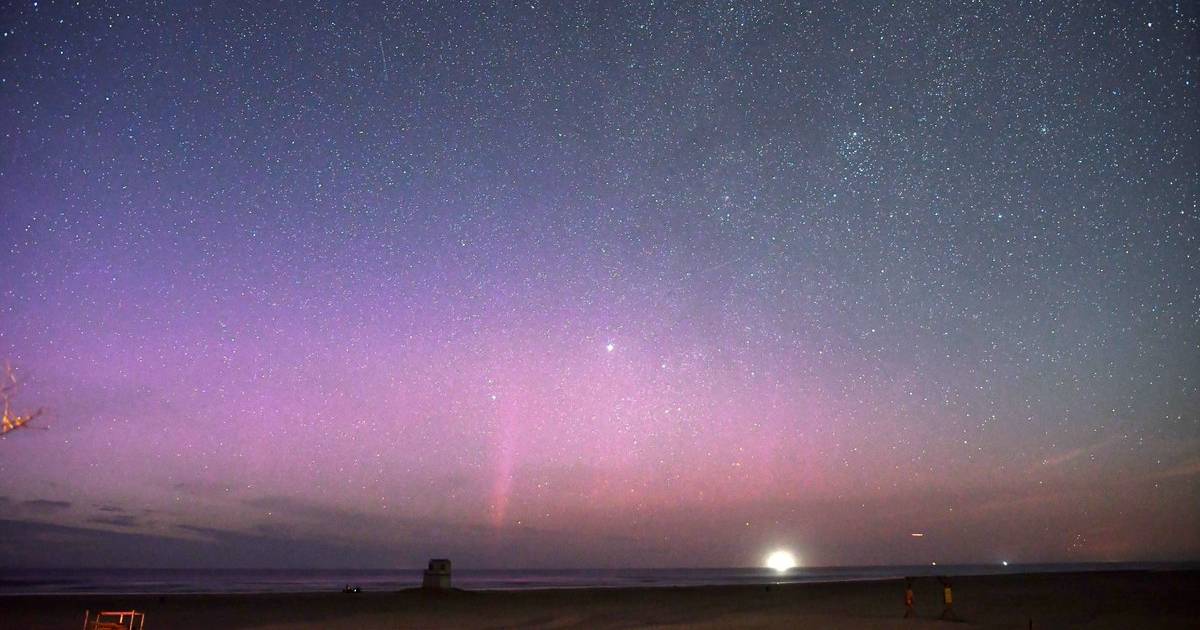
114	620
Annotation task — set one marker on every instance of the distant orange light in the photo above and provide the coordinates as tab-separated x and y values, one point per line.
917	535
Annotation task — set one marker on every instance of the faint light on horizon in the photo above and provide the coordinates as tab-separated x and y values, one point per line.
781	561
917	534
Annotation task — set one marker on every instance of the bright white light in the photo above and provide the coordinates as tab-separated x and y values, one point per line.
610	347
781	561
1004	562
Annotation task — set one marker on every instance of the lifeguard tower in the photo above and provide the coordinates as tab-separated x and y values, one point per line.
437	576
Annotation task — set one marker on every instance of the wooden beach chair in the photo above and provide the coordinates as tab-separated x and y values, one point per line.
114	620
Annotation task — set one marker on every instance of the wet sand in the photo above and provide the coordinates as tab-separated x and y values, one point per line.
1126	599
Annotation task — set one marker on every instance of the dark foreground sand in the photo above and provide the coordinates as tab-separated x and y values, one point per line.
1064	600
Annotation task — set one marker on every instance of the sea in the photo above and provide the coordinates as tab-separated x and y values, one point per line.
183	581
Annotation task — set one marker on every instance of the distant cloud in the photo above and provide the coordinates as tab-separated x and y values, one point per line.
118	520
45	505
37	544
1185	469
204	531
1070	455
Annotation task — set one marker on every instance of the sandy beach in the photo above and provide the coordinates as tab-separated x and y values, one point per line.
1131	599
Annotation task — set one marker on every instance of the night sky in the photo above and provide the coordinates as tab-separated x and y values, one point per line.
617	284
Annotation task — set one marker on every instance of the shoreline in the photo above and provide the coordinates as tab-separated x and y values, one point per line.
1092	599
498	589
629	579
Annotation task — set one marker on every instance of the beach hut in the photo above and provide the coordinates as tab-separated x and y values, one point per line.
437	576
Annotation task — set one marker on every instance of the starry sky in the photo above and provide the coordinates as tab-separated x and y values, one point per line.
632	284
